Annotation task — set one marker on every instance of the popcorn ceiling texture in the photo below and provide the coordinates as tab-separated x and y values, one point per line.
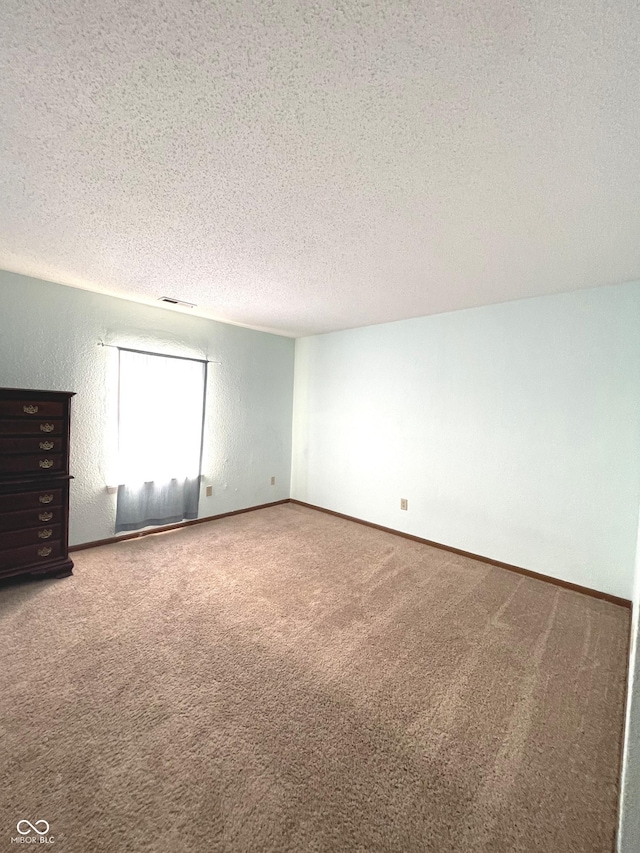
54	345
312	166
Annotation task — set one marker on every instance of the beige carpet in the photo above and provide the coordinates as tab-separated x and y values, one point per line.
288	681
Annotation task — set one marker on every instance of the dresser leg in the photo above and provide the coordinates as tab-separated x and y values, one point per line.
64	570
62	573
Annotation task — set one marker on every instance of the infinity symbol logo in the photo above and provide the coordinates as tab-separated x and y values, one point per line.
32	826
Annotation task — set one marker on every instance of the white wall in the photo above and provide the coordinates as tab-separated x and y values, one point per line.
513	430
49	339
629	830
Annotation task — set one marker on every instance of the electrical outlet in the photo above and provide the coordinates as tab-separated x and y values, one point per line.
404	503
273	481
209	491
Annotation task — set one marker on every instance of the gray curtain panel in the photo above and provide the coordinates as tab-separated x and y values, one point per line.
153	503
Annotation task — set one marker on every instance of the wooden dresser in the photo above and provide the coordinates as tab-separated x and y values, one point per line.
34	482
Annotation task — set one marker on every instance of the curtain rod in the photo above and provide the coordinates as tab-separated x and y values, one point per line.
159	354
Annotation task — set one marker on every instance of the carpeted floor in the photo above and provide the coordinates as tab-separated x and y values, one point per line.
286	681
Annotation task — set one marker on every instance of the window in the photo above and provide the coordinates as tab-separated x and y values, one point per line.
160	421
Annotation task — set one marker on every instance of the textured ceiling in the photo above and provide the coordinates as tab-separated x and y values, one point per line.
309	166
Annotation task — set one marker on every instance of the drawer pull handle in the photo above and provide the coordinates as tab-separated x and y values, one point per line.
45	499
45	463
30	410
45	534
44	552
45	516
46	445
47	427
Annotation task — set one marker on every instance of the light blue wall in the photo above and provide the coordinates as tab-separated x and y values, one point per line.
513	430
49	339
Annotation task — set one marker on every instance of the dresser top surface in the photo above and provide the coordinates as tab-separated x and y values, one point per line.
22	393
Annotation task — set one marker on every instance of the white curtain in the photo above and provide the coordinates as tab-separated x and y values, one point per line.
160	415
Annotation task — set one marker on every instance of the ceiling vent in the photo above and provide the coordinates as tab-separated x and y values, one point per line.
172	301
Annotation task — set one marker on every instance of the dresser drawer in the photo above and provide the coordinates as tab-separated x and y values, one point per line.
34	426
32	554
30	518
32	536
43	497
33	444
44	463
30	408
